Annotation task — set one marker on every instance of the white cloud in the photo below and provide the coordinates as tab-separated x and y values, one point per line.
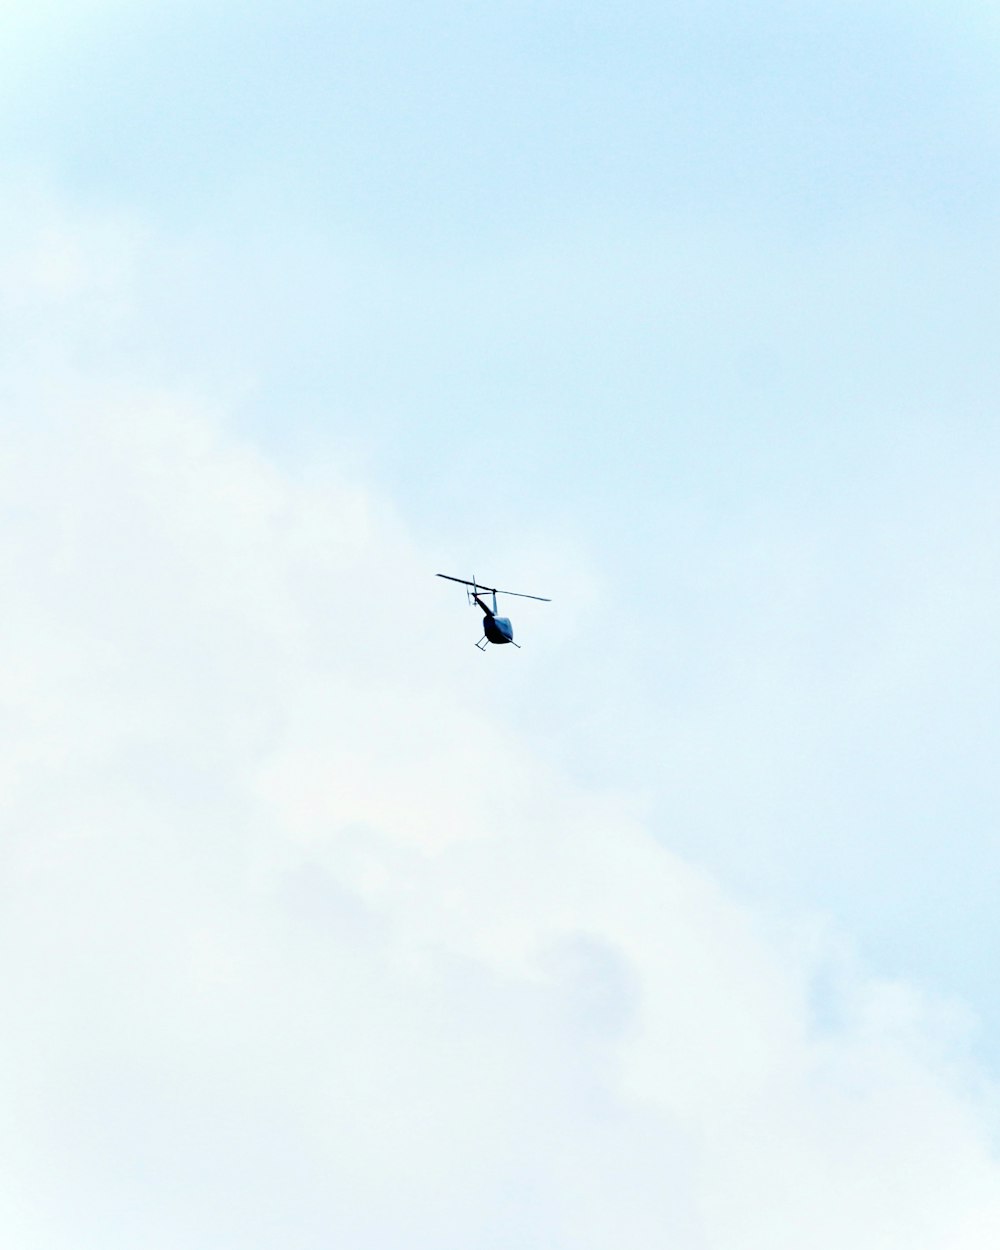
301	945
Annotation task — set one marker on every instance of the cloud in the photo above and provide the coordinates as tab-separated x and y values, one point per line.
301	943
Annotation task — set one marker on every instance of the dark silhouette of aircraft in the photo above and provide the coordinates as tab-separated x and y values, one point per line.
496	629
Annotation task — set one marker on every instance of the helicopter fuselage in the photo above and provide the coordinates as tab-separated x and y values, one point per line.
497	629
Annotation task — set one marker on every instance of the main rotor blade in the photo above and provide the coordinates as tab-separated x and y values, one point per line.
491	589
462	582
517	595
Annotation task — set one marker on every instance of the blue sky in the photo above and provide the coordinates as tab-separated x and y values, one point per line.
683	314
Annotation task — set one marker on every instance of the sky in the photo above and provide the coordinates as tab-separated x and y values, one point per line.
674	927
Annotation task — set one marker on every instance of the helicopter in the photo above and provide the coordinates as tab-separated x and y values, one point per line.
496	629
